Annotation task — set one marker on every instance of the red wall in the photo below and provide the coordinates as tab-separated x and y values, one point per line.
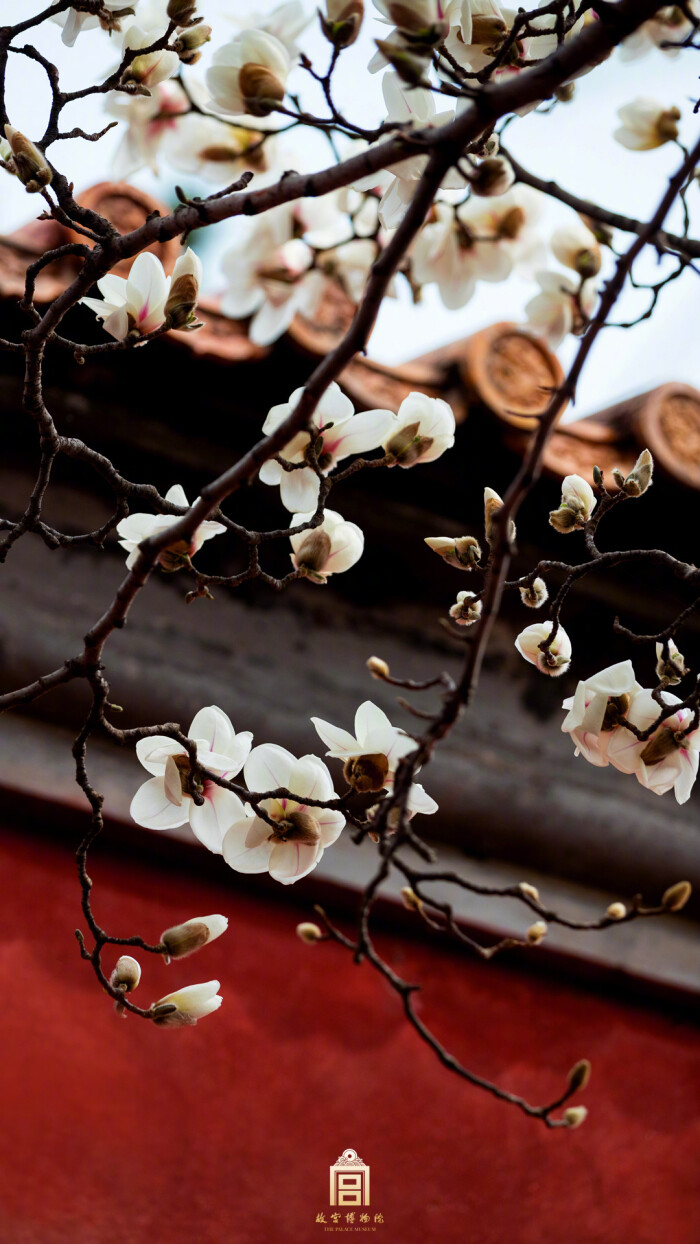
117	1131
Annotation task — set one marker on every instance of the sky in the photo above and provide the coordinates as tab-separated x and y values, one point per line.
573	145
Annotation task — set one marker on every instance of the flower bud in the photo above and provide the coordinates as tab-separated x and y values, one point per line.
676	896
410	64
181	11
565	92
261	89
563	520
126	974
407	446
342	25
493	504
467	610
462	552
184	292
309	933
416	26
28	162
534	594
639	477
575	1116
185	1006
536	932
492	177
188	43
378	668
672	667
184	939
366	773
314	551
530	891
616	911
411	899
487	30
579	1075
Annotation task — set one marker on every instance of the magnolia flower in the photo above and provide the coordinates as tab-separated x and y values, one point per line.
575	247
285	23
646	124
462	552
479	27
293	846
372	755
148	118
409	107
73	21
215	150
467	609
348	434
153	67
669	759
342	21
135	305
423	428
183	939
564	306
174	795
350	265
555	659
249	74
423	21
191	1003
447	253
577	504
671	667
669	25
335	545
137	527
269	276
595	710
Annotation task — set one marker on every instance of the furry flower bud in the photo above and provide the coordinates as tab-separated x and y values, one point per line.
184	939
672	667
467	609
536	932
575	1116
640	476
579	1075
189	42
676	896
616	911
28	162
492	177
530	891
411	899
493	504
309	933
126	974
410	63
378	668
534	594
342	24
181	11
184	292
462	552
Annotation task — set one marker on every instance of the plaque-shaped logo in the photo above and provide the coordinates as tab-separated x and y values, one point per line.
349	1180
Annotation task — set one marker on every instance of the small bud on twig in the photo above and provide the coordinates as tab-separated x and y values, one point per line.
309	933
530	891
184	939
126	974
28	162
536	932
676	896
579	1075
616	911
378	668
575	1116
411	899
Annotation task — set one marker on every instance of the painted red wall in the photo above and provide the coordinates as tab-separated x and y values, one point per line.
117	1131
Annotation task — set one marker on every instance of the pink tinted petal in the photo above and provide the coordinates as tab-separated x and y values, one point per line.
291	860
154	752
268	767
151	808
241	858
339	742
211	820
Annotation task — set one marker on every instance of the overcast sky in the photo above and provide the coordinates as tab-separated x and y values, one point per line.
573	145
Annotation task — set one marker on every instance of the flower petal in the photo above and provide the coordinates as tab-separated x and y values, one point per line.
151	807
211	820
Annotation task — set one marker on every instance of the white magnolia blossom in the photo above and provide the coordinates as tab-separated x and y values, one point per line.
73	21
301	831
563	306
373	753
555	659
153	67
479	26
669	759
149	119
462	552
349	434
415	17
408	106
193	1002
137	527
594	711
247	73
269	276
215	150
137	304
350	265
646	124
575	247
577	504
477	242
669	25
167	799
184	939
332	547
285	22
423	428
